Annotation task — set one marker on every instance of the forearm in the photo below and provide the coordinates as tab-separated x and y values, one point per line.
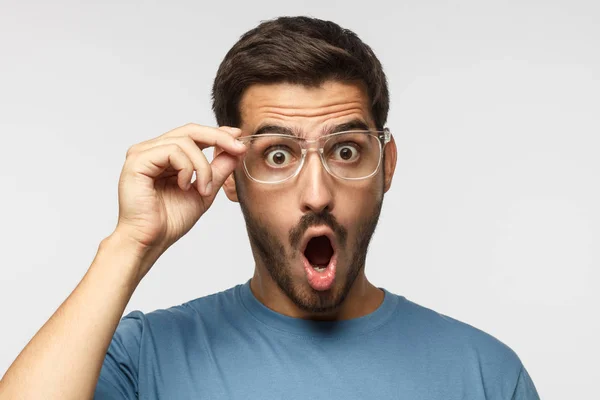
63	360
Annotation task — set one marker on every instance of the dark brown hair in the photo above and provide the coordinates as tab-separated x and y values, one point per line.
299	50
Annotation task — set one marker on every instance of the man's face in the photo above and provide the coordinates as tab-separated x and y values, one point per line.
314	216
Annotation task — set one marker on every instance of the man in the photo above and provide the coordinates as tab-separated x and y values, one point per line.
302	146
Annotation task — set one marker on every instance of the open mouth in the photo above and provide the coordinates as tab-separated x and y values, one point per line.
319	258
318	252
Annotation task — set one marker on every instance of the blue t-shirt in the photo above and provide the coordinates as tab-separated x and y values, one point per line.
230	346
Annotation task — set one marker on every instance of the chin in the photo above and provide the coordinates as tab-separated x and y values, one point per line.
317	301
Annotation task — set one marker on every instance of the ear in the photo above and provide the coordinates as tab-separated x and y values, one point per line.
390	163
230	189
229	184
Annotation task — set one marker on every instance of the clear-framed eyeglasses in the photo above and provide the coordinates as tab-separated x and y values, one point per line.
350	155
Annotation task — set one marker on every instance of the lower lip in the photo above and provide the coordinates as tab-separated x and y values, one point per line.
320	280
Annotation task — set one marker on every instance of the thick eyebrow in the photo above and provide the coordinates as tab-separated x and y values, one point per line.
354	125
284	130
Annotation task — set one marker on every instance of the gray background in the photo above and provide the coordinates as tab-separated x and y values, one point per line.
493	217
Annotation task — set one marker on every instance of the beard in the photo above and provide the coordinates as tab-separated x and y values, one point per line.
271	252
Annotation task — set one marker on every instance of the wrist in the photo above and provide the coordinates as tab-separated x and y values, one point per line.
128	255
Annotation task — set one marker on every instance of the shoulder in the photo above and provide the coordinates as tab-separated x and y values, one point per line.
183	319
445	329
459	344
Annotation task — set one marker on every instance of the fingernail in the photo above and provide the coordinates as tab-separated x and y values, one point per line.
208	190
240	145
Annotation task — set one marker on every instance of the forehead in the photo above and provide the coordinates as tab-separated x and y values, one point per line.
304	108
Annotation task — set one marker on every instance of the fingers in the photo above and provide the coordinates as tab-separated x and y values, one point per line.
156	160
223	137
190	139
205	136
222	166
199	161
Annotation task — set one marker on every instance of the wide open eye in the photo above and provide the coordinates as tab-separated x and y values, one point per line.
278	156
345	152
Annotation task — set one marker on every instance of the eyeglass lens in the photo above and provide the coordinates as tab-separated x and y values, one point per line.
272	158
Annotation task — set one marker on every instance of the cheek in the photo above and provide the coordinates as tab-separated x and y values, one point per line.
360	199
278	208
273	209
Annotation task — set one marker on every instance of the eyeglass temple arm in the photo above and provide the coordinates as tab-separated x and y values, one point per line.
386	136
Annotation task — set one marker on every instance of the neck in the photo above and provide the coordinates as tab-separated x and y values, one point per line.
362	299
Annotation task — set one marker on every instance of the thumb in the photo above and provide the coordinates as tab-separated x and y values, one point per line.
222	166
235	132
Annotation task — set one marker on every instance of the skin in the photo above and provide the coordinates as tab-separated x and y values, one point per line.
158	204
273	213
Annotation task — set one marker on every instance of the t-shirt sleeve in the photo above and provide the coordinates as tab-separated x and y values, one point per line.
525	389
119	374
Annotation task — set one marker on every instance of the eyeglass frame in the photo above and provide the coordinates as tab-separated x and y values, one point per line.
384	136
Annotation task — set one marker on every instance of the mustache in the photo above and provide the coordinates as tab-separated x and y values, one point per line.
315	219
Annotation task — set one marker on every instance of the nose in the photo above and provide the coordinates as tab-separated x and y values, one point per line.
315	185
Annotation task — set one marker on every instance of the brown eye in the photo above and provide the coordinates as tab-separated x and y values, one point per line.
346	152
278	158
